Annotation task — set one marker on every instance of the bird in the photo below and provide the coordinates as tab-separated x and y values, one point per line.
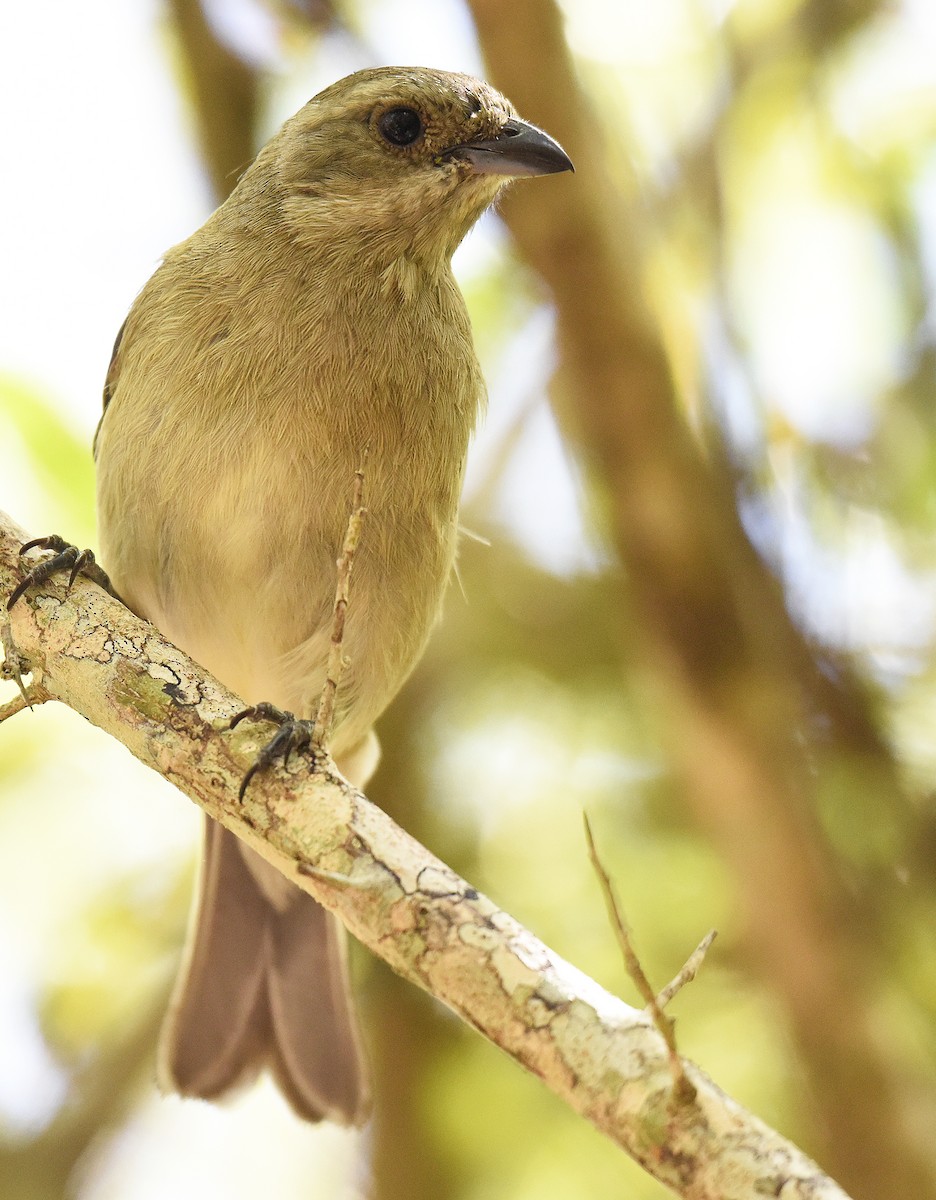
312	318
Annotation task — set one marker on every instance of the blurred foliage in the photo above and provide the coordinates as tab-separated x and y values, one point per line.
775	162
35	433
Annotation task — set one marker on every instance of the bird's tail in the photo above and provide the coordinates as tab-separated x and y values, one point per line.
263	983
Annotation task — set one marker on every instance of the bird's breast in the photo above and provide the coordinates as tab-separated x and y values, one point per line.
226	476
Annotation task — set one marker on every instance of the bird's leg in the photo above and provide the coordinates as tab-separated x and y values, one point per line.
293	734
65	557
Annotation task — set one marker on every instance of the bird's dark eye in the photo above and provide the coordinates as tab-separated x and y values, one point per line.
402	126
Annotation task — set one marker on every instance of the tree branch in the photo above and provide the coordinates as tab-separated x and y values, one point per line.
602	1057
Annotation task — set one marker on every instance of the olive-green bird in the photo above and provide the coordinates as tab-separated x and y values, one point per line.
313	316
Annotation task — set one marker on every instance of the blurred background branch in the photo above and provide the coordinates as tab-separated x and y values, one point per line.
712	614
761	719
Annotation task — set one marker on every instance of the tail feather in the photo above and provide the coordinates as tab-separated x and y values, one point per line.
263	984
317	1058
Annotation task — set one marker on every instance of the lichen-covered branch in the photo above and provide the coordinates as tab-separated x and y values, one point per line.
601	1056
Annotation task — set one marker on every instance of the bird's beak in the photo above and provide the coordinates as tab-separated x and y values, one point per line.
519	149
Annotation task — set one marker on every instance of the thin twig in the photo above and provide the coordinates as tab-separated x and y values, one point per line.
692	967
13	663
684	1092
324	718
31	695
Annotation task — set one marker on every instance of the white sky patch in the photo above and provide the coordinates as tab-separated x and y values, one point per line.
538	497
224	1151
539	500
413	33
509	763
107	179
884	84
814	281
632	31
249	28
858	594
32	1085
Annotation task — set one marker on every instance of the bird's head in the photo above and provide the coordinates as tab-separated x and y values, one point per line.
400	160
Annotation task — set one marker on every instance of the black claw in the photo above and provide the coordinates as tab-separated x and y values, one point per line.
263	711
81	561
18	591
293	734
52	542
65	557
242	790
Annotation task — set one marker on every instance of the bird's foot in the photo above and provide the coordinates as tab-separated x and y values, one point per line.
293	734
65	557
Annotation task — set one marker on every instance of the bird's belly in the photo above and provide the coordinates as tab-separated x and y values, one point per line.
244	581
224	497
